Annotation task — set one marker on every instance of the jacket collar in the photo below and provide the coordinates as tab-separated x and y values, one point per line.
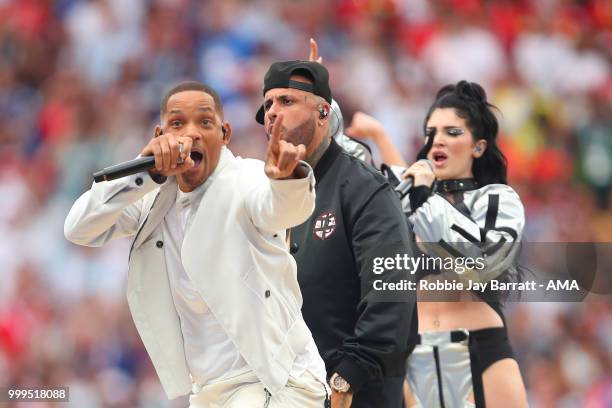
328	158
166	196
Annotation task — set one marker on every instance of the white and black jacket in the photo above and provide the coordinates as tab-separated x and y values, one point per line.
486	222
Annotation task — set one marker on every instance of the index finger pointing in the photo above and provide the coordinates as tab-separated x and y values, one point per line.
314	52
276	132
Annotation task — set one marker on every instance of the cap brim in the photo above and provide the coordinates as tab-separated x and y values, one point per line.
259	117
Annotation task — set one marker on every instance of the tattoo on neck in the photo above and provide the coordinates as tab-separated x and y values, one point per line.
314	158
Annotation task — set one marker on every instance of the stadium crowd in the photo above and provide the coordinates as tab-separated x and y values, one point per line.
80	84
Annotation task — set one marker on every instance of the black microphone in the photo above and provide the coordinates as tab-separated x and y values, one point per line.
131	166
406	184
125	169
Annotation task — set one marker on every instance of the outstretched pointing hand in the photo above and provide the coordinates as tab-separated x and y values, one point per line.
282	157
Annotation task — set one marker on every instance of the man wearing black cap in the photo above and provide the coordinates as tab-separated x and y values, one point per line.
357	217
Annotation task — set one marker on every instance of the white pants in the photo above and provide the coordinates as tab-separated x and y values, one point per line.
246	391
435	361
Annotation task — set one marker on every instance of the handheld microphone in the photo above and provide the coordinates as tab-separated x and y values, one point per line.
131	166
125	169
406	184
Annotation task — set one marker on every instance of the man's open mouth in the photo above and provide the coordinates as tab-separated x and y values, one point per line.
196	157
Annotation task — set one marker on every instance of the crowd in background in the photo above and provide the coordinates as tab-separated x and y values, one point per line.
80	85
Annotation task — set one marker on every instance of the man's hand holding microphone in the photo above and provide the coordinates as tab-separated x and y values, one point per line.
171	153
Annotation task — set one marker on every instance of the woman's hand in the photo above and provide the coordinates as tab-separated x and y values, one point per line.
421	173
364	126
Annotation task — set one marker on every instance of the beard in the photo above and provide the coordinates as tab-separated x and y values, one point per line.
301	134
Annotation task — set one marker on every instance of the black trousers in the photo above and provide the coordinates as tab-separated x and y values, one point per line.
385	393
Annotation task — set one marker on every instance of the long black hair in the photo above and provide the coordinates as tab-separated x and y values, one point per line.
470	103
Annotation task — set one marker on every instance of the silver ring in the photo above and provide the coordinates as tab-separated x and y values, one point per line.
180	159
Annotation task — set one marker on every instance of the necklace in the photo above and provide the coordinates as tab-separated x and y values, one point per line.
454	185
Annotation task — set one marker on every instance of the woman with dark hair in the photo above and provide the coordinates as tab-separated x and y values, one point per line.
460	207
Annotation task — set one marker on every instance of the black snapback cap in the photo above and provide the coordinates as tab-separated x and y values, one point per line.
279	76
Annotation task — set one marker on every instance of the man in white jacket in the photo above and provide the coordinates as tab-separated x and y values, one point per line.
211	286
